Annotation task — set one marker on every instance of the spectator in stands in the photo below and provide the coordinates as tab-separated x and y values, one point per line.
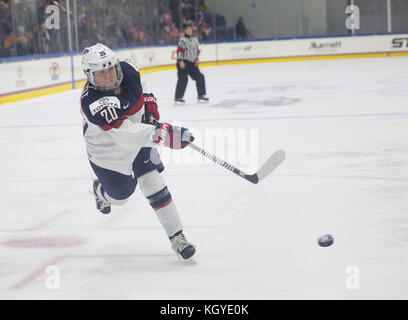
22	41
119	38
204	30
174	7
174	34
4	51
32	37
203	11
165	27
163	7
240	29
96	32
188	10
119	26
202	5
142	37
126	27
4	14
4	29
83	25
82	16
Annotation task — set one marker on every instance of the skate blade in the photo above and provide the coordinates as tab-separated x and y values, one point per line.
202	101
190	261
177	103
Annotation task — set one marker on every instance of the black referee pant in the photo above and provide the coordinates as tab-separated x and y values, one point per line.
195	74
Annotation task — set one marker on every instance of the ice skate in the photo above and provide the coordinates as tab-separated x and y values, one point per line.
203	99
179	102
181	246
101	204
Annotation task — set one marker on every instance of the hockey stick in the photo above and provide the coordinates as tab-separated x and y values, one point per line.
271	164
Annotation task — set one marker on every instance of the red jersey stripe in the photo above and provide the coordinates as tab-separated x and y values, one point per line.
136	107
116	125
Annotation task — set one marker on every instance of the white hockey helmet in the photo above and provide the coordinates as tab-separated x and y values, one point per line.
97	58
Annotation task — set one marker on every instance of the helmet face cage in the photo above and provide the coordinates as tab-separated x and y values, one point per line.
119	74
98	58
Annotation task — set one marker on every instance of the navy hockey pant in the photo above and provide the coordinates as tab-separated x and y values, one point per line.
189	70
120	186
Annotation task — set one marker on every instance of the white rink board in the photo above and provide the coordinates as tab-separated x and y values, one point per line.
310	47
36	73
32	74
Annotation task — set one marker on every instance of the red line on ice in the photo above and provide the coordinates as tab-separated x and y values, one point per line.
36	273
42	224
32	276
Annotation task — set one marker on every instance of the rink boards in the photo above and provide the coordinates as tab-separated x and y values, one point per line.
24	78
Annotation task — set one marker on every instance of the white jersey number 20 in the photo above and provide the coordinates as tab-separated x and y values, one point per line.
110	114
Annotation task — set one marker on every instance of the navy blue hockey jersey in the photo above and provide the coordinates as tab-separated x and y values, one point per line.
113	129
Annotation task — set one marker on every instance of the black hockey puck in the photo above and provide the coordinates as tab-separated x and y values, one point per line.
326	240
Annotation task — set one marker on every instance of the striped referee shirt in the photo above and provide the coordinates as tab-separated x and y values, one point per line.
187	49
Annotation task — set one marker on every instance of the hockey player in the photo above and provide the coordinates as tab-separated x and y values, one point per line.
120	140
187	64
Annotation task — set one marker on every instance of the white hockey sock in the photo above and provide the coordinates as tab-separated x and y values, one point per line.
169	219
155	190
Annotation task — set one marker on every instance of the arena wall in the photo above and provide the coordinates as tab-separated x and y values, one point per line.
28	77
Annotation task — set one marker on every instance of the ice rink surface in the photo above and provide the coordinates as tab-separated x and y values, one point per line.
344	127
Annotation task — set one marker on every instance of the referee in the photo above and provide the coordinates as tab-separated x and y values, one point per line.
187	64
